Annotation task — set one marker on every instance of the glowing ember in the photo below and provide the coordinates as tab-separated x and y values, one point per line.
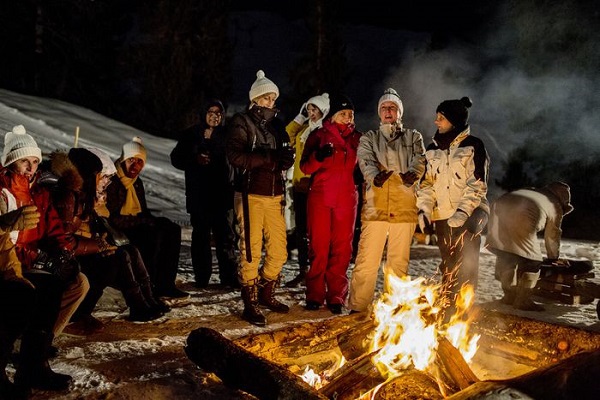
319	380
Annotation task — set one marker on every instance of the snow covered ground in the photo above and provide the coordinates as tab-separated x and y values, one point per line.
146	360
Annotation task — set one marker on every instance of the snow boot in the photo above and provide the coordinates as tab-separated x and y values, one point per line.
34	372
153	301
252	312
139	309
266	296
523	301
299	279
509	286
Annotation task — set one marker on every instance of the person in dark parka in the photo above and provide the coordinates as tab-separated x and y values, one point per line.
200	152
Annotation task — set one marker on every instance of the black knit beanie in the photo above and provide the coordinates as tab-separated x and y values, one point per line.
456	111
339	102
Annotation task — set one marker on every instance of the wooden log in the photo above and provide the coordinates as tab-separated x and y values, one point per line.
410	385
353	379
454	370
300	339
577	377
241	369
509	350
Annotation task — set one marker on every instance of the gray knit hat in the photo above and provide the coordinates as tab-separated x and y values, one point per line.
18	144
391	95
321	102
262	85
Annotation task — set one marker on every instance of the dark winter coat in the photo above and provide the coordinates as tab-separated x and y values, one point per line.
210	186
115	198
254	143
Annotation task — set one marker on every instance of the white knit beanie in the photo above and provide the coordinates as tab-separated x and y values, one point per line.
18	144
391	95
321	102
262	85
135	148
108	166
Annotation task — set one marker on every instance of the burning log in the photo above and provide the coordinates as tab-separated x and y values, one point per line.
239	368
353	379
577	377
454	370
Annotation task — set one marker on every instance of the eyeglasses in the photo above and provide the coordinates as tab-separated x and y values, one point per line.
215	113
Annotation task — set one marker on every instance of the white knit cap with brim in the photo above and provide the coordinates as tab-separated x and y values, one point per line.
321	102
18	144
108	166
135	148
262	85
391	95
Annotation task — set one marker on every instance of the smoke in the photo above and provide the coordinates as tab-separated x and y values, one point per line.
531	71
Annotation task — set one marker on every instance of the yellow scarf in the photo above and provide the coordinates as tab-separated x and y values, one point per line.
132	204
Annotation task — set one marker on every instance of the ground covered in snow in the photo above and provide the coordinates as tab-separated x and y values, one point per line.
147	360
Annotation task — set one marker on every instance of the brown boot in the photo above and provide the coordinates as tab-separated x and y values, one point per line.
252	312
267	298
523	301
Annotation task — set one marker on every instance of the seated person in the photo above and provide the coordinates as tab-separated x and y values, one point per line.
157	238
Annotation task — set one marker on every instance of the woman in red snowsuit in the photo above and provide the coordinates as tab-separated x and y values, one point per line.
330	157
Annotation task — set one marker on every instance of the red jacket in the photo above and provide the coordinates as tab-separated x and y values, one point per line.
49	233
333	178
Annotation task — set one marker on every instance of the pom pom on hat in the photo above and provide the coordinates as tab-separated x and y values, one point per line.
262	85
321	102
108	166
456	111
135	148
391	95
338	103
87	163
18	144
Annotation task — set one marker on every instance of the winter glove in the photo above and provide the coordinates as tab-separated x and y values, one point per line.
425	223
286	157
477	222
458	219
408	178
203	158
64	265
302	115
324	151
381	177
26	217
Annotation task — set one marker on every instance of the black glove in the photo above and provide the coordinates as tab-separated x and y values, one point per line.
286	157
425	223
408	178
64	265
324	151
381	177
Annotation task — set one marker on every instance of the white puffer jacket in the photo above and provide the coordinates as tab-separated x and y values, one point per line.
455	178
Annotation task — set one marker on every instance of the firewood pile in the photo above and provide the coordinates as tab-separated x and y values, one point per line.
516	356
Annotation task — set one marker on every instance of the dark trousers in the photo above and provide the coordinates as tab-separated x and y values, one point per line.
159	244
122	270
220	224
459	250
300	200
25	308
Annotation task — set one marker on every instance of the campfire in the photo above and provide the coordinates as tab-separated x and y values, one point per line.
405	349
408	330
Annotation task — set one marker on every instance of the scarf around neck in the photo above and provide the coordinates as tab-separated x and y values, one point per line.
132	204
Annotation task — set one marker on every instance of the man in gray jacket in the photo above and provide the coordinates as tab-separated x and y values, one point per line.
515	220
392	160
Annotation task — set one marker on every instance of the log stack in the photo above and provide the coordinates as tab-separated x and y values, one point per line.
561	361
